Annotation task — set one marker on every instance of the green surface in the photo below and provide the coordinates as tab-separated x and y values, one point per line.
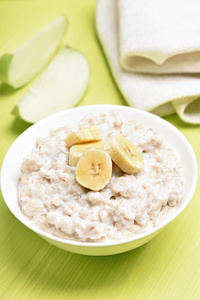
168	267
5	62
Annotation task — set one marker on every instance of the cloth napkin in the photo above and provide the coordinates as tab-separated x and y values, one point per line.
159	36
126	48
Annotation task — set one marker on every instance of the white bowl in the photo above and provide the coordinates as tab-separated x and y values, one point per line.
24	144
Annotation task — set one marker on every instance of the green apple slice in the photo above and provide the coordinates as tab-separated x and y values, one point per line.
23	64
59	87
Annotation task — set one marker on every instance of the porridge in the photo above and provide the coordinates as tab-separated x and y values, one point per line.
54	198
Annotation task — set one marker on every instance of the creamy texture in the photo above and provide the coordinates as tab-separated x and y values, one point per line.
49	195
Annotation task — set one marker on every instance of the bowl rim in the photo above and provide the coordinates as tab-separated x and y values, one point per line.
24	220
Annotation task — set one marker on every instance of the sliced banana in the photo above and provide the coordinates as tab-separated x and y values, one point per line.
77	151
87	134
94	169
126	155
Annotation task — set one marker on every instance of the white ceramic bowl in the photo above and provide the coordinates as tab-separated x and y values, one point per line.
24	144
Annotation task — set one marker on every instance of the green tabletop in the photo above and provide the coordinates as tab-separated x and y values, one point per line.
168	267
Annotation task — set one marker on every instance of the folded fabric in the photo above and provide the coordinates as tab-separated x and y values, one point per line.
160	94
159	36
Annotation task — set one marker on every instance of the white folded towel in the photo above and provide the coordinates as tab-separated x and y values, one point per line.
160	94
159	36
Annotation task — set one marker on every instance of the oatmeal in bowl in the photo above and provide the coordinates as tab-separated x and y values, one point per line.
109	178
52	194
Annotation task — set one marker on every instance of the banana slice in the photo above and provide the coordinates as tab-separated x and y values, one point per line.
126	155
77	151
94	169
87	134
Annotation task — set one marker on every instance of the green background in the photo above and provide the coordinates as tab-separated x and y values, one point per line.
168	267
